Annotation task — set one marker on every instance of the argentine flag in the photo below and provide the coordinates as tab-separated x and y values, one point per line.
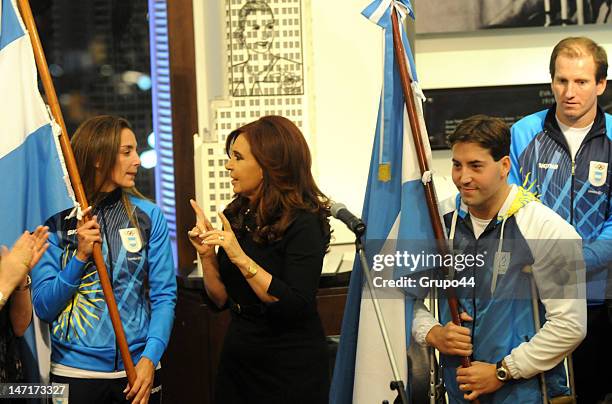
33	180
394	209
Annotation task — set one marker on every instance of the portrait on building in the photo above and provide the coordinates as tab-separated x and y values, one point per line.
265	48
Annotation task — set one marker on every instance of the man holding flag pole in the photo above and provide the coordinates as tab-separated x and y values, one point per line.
398	195
528	260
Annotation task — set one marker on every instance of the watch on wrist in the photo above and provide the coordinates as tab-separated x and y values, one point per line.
251	271
502	372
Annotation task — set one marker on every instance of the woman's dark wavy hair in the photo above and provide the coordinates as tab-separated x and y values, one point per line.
288	185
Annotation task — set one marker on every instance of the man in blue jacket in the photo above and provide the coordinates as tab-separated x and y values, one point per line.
564	155
524	254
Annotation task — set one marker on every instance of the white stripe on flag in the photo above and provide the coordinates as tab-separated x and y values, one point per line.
410	165
380	11
372	367
23	111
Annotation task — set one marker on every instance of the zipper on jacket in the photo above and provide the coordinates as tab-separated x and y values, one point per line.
565	147
474	307
487	229
110	267
71	308
573	179
490	228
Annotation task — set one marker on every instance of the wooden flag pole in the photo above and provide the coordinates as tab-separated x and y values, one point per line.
430	193
75	179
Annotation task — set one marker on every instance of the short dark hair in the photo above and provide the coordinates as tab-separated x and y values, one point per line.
490	133
581	46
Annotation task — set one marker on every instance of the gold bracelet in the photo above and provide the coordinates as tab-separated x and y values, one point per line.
251	270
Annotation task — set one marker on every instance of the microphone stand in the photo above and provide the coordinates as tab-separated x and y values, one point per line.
397	383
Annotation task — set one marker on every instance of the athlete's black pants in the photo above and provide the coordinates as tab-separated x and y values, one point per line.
103	391
593	358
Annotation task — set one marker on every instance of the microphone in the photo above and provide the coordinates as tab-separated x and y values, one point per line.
355	224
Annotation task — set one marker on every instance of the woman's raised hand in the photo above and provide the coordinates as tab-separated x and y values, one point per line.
202	226
227	239
40	237
23	256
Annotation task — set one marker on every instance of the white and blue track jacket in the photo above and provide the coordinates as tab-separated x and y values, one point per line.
579	190
68	295
540	250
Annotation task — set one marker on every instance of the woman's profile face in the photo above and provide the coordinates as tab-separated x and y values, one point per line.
126	165
259	31
246	173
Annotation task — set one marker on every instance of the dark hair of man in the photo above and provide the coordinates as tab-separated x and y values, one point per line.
488	132
288	186
574	47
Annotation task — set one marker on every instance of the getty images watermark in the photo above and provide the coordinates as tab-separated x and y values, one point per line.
404	261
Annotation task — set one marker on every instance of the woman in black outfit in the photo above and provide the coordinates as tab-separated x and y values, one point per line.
267	268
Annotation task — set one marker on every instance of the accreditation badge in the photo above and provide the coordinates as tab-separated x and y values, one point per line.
130	238
501	262
598	173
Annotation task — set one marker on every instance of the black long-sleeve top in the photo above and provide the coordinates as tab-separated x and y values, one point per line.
295	263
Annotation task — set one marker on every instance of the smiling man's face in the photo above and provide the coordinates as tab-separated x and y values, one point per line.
479	178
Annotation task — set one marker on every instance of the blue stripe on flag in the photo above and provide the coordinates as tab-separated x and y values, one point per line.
384	202
11	29
33	177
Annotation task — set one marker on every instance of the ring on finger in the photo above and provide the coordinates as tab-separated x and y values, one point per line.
221	237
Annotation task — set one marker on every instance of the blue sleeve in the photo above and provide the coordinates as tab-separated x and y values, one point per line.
522	134
52	287
598	253
515	168
162	282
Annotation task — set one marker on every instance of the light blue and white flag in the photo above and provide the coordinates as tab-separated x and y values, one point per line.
394	209
33	181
